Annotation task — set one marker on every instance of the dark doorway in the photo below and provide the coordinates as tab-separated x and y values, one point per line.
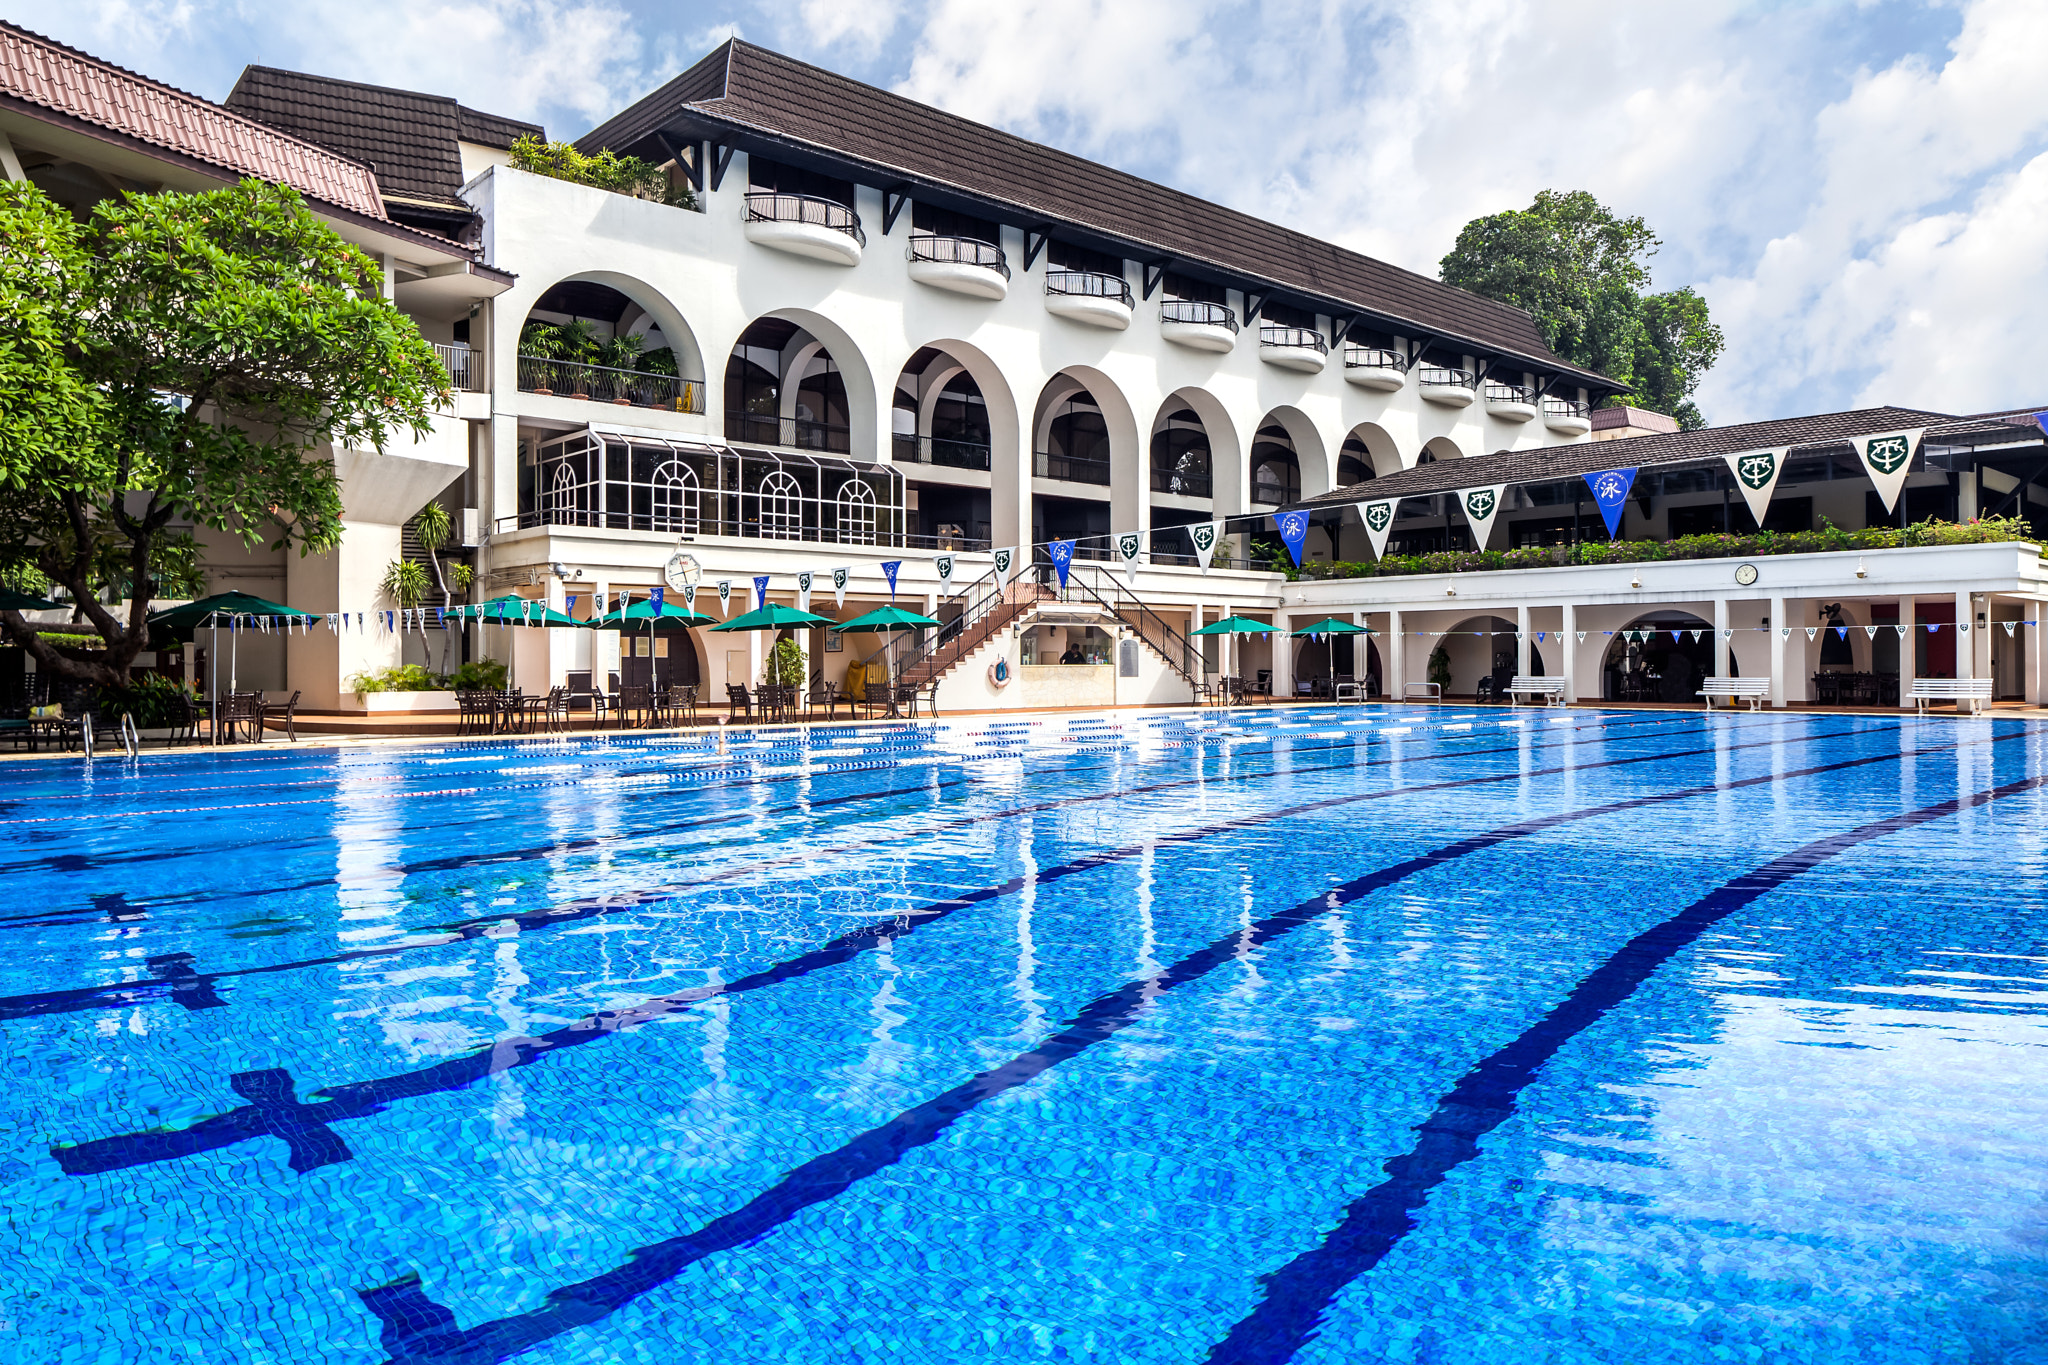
666	659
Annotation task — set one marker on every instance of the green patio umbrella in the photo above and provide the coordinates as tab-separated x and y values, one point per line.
11	600
640	616
1330	625
775	616
886	621
1235	625
175	625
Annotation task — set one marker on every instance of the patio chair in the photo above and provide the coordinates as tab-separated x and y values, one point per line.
826	695
557	709
636	700
238	712
600	707
679	704
288	710
740	700
184	721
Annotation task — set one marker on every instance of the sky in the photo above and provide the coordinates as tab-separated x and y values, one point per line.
1858	189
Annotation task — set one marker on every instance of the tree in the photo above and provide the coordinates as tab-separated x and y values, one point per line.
187	357
1583	273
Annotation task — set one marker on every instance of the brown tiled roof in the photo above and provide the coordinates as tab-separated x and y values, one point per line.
409	137
50	76
1549	464
751	88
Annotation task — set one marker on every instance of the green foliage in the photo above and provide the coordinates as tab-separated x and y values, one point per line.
1987	531
605	171
786	664
405	582
479	675
1582	273
152	698
432	526
461	575
661	361
227	337
1440	667
401	678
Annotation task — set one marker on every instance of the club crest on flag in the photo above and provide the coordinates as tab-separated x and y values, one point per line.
1127	545
1293	531
1888	453
839	577
944	564
1062	553
1003	558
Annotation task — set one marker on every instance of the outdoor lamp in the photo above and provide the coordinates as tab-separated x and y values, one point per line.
1450	592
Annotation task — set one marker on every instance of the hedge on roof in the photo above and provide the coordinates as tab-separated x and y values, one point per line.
1986	531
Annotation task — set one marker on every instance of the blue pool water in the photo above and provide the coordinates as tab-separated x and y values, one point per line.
1322	1036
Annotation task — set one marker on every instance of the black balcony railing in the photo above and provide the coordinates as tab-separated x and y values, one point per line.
793	433
1302	338
765	206
1070	469
602	384
959	251
465	367
1445	376
1181	483
1497	392
1563	407
1091	284
946	454
1197	313
1370	358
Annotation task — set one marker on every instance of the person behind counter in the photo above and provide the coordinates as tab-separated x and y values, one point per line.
1073	655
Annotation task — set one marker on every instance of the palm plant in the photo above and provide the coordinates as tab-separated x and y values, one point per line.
433	529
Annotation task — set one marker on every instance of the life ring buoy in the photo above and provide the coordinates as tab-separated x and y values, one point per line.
999	673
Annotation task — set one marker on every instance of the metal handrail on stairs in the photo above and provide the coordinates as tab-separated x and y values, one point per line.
986	597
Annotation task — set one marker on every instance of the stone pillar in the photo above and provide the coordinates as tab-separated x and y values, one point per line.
1522	635
1397	656
1282	654
1966	637
1909	652
1778	624
1721	638
1568	638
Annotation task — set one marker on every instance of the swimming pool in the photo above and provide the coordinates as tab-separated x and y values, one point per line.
1323	1036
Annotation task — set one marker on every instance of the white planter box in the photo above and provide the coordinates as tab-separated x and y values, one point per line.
398	701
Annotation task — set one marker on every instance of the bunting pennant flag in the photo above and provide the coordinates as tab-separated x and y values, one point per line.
760	591
1870	632
1728	634
1205	534
803	590
1378	516
1674	636
724	597
1784	632
889	571
944	564
1610	493
1932	629
689	597
2008	627
1812	631
1756	474
1128	545
333	622
1901	630
1062	552
1582	637
656	598
1293	527
1695	636
1887	458
839	577
1005	560
1841	632
1963	627
1539	637
1481	506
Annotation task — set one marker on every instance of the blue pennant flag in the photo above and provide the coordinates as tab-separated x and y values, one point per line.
760	592
1062	552
569	605
654	599
1610	490
1294	530
889	568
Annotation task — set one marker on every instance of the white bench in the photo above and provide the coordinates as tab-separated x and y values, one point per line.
1755	691
1423	692
1549	689
1975	691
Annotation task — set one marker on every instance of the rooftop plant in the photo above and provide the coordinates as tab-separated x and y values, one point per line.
607	170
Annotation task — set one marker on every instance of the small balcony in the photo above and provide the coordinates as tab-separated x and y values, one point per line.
602	384
1198	326
465	367
805	225
1294	348
1445	386
944	454
1090	296
1509	402
1566	417
791	433
960	265
1070	469
1181	483
1375	368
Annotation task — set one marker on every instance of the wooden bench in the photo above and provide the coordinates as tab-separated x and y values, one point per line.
1549	689
1755	691
1975	691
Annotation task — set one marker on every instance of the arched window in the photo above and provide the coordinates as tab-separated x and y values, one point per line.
1180	456
561	496
1276	473
1354	463
675	498
782	507
856	507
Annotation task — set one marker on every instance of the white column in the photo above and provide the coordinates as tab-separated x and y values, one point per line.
1568	636
1966	642
1397	656
2037	681
1909	652
1721	641
1194	643
1283	655
1778	624
1522	629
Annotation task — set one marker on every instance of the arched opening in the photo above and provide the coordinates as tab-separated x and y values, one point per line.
1276	467
1476	658
1080	423
1354	463
591	339
783	387
940	419
1660	656
1182	470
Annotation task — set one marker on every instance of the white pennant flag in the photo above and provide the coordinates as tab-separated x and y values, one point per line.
1481	506
803	591
689	597
1901	630
1756	474
1695	637
1870	632
1205	534
1784	632
1378	517
1129	544
1582	637
1728	634
1887	458
1812	631
839	577
1005	560
724	596
2008	627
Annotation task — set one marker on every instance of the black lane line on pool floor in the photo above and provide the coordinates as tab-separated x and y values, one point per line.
121	994
1299	1293
291	1120
418	1331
